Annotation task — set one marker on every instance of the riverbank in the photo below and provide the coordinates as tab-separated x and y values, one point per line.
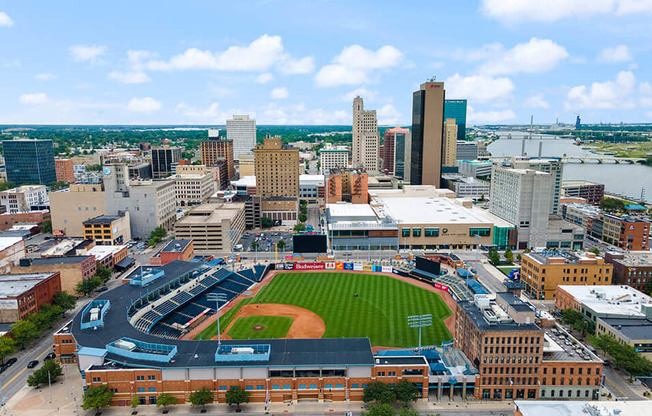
629	149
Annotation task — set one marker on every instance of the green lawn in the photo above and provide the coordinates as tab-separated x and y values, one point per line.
275	327
507	269
379	312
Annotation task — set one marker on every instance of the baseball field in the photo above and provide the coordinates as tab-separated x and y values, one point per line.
334	305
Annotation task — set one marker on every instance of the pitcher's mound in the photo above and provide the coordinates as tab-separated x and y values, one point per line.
258	327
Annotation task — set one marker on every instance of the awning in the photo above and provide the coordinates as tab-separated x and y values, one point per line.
125	263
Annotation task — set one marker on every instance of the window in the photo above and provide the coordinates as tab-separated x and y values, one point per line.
482	232
140	389
416	232
260	387
140	378
151	389
151	377
249	387
222	388
431	232
405	232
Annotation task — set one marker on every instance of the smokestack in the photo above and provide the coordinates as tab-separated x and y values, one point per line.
531	122
540	148
523	147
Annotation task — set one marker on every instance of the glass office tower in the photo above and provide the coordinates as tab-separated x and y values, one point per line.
457	109
29	161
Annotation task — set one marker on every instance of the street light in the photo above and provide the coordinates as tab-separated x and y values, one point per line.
217	298
420	321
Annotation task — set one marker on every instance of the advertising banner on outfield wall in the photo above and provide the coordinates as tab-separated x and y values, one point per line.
329	266
348	266
309	266
339	265
441	287
357	266
387	269
367	268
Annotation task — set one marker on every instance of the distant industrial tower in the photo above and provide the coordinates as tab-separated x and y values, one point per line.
578	122
366	141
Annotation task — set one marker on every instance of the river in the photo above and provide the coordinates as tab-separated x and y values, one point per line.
624	179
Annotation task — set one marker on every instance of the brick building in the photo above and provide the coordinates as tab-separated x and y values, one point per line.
73	269
215	152
9	220
23	294
173	250
108	229
12	249
64	169
633	268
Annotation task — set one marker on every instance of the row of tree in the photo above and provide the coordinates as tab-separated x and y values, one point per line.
494	256
25	330
623	356
156	236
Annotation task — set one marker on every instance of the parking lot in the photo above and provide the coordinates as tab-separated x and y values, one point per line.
266	241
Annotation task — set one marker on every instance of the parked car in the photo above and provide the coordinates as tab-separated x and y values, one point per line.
32	364
11	361
50	356
102	289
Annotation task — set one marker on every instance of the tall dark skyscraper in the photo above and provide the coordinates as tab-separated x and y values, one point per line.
578	122
427	134
29	161
162	160
457	109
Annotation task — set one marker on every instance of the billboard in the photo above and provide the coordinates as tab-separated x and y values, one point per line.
309	266
428	265
309	243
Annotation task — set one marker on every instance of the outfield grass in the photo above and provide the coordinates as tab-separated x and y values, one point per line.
275	327
379	312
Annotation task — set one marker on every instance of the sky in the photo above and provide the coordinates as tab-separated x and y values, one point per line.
303	61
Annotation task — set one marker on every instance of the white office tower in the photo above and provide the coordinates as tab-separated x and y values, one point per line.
242	130
213	133
366	141
522	197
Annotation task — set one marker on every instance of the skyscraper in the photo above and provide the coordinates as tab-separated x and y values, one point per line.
457	109
242	131
214	152
365	137
449	157
427	134
29	161
277	179
393	154
163	158
554	167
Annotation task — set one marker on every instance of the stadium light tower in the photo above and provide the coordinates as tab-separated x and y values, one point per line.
420	321
217	298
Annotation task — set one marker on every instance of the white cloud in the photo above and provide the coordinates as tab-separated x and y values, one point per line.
490	117
616	54
279	93
645	90
478	88
260	55
354	65
131	77
514	11
45	77
81	53
483	53
536	101
263	78
362	92
297	66
144	105
537	55
5	20
36	98
388	114
603	95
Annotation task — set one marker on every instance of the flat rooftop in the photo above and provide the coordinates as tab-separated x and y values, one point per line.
176	246
575	408
635	259
609	300
556	257
101	252
103	219
213	212
559	345
477	317
631	328
6	242
59	260
12	285
343	211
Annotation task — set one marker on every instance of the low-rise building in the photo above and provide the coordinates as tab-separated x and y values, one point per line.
567	408
108	229
347	185
173	250
475	168
9	220
636	333
64	169
333	157
25	198
628	232
580	213
633	268
73	269
23	294
193	189
69	208
357	227
12	249
108	256
311	188
596	302
213	228
467	186
591	191
543	272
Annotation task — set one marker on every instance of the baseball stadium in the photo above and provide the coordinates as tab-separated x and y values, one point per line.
288	331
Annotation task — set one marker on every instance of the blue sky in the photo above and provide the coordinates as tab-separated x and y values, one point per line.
302	62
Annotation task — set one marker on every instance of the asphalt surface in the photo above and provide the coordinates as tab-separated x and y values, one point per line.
265	246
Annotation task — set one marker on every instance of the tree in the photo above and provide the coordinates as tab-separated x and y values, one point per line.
379	410
406	411
64	301
649	287
237	396
200	397
494	256
379	392
86	286
595	251
509	256
93	168
298	227
266	222
135	401
40	376
624	356
46	226
104	273
165	400
281	244
56	185
303	217
482	198
255	245
7	347
23	332
7	185
97	397
156	236
406	392
612	205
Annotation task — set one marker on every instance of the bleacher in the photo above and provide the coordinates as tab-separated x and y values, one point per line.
260	272
194	301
